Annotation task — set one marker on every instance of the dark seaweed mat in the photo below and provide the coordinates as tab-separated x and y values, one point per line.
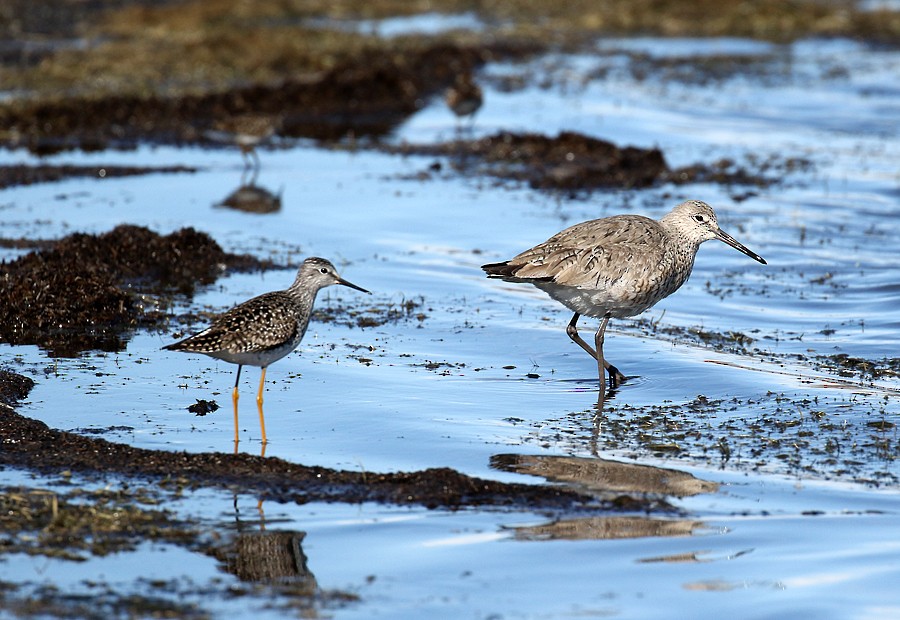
568	161
21	174
367	97
85	291
14	388
575	163
33	445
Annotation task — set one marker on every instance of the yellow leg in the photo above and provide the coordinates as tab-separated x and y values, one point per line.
259	404
262	516
234	399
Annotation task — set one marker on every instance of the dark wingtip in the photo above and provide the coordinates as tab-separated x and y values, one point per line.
178	345
498	270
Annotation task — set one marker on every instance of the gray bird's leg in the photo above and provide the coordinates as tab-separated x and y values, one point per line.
615	377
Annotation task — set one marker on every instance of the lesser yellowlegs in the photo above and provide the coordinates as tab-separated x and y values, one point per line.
464	97
246	131
264	329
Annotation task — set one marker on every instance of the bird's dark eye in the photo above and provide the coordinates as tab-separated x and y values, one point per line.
323	270
699	218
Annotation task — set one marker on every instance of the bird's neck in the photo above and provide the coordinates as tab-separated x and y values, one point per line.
684	247
302	294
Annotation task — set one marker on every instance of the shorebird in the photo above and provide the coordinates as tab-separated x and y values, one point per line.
246	131
464	98
616	267
264	329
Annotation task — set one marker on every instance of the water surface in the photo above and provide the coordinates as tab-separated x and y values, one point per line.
803	521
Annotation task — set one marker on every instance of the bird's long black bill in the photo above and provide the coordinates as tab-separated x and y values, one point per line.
723	236
358	288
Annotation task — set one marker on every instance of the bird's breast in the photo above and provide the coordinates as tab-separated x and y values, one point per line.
624	293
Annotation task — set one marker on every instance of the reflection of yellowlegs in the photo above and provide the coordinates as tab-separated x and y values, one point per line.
264	329
616	266
247	131
252	198
464	98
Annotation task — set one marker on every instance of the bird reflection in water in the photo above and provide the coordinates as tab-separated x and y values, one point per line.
257	556
252	198
645	487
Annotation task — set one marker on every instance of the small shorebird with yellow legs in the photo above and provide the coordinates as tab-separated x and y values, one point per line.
246	131
464	98
264	329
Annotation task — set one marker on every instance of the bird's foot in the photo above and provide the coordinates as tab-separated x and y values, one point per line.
616	378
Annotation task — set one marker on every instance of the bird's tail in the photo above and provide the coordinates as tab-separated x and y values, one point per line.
499	270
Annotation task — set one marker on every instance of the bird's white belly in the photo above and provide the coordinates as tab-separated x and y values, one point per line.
255	358
617	301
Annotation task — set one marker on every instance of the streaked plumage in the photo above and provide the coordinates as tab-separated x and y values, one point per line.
616	266
266	328
246	131
464	98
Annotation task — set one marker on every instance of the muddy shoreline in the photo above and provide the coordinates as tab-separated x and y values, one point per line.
31	444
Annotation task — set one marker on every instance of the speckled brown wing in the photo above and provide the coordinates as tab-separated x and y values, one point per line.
261	323
589	253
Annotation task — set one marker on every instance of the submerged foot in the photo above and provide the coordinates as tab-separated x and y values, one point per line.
616	378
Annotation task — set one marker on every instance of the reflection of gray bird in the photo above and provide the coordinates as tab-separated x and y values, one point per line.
464	98
264	329
616	266
246	131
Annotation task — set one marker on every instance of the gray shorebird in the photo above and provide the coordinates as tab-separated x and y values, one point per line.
464	97
264	329
616	267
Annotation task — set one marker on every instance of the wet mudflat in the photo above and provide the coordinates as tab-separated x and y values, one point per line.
447	425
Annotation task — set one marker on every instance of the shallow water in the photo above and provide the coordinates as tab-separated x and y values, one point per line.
788	533
759	547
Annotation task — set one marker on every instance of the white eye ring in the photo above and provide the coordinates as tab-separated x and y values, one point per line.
699	218
323	270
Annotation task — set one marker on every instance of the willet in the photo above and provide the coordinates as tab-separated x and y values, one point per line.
264	329
616	267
